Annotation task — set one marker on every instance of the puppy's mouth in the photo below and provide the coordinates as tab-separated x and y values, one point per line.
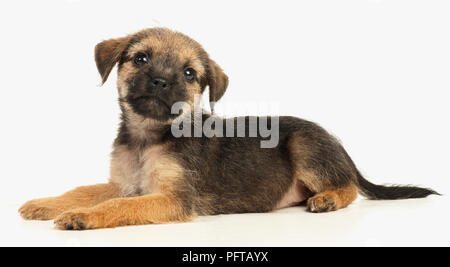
151	100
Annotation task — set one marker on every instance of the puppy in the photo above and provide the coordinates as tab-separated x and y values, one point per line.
156	177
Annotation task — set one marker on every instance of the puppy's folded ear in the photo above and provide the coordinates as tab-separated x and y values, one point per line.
217	81
107	54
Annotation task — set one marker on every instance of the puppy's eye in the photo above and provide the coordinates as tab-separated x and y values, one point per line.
190	74
140	59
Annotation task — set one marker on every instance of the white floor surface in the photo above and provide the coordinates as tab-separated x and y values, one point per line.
421	222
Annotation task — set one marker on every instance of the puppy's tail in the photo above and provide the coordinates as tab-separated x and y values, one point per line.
373	191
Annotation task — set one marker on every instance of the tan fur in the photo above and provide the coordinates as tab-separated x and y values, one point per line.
139	125
157	178
299	152
147	182
180	47
84	196
107	53
149	173
333	199
124	170
143	171
327	197
127	70
160	170
153	208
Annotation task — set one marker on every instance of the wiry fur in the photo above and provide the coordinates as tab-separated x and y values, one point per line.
157	178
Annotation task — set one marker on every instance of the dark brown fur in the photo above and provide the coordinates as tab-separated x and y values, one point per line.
157	178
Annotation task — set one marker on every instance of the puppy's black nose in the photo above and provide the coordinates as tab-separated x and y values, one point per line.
160	83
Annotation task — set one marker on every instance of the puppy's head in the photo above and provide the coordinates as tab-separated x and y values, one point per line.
158	67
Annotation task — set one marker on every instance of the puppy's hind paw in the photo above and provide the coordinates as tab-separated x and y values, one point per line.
322	203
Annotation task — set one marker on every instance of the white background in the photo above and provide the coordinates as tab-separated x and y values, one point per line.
374	73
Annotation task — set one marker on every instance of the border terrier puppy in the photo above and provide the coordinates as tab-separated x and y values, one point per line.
158	178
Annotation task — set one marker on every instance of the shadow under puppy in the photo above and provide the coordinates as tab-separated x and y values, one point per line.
157	178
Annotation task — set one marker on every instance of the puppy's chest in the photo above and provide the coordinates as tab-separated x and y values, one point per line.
133	170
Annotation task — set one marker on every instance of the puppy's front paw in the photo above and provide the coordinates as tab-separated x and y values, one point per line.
80	219
39	209
322	202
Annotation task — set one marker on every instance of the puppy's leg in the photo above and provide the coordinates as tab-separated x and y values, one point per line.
171	202
153	208
83	196
332	199
320	162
